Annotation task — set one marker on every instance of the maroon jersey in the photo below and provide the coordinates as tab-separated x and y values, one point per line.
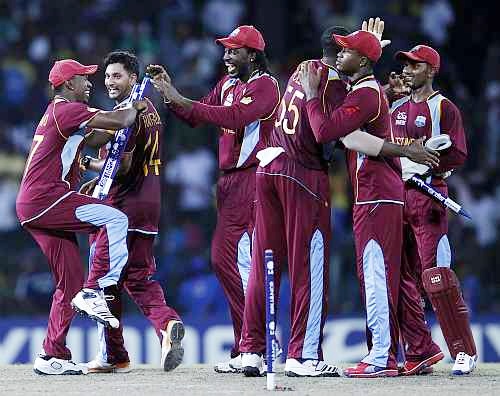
245	113
52	170
374	179
411	120
138	192
292	128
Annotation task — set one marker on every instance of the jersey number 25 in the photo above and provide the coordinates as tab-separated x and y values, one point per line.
289	112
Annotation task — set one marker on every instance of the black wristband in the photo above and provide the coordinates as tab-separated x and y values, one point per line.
85	162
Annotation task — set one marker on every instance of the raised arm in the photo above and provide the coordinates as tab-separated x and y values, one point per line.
260	100
182	108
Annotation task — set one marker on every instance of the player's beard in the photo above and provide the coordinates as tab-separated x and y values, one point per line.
242	71
122	95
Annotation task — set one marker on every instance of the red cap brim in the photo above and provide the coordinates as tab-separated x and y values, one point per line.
90	69
402	56
229	42
341	40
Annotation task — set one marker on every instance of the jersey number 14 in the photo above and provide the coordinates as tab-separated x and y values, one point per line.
154	156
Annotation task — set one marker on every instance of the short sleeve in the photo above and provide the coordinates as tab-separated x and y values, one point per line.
70	117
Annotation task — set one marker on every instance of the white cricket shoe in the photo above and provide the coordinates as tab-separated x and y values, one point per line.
252	365
46	365
172	350
231	366
91	303
97	366
464	364
310	368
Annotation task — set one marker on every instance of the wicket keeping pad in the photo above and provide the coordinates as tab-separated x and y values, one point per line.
443	289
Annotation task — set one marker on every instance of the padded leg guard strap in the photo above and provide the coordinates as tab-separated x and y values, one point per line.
443	290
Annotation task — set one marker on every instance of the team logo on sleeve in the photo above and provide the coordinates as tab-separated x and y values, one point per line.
246	100
420	121
401	118
229	100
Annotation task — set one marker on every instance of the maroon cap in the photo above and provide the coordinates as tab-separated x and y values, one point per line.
366	43
421	53
66	69
244	36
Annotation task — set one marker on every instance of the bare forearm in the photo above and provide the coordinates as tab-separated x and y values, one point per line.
185	103
96	164
98	137
393	150
363	142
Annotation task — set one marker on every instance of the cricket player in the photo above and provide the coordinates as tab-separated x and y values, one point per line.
293	220
378	194
243	104
137	193
51	210
426	112
421	351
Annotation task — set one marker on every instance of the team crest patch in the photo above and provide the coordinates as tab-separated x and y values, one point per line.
246	100
420	121
401	118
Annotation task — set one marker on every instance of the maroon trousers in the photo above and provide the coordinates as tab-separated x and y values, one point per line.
232	241
378	238
292	219
425	246
145	292
55	232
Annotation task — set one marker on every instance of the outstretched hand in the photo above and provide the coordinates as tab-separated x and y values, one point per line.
309	77
163	83
140	105
397	85
88	187
417	152
376	26
158	72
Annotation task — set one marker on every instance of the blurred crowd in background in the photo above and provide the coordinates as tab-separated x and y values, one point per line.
180	34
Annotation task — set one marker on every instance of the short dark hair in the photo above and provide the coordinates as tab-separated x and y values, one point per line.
127	59
327	44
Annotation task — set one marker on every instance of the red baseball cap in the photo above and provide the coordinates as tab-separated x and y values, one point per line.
364	42
66	69
244	36
421	53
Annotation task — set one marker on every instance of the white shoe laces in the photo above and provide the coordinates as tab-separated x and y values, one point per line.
461	358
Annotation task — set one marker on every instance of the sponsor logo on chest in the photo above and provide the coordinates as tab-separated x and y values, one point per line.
401	118
420	121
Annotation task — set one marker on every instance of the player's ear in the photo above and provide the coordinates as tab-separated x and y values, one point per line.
252	55
363	61
133	78
68	84
431	72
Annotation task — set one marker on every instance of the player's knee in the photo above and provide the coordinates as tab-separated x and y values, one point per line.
439	279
